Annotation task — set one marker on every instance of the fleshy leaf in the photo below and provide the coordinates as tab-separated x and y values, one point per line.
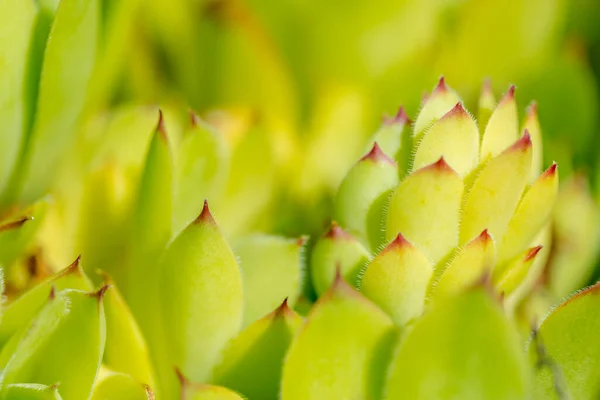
487	104
425	208
442	99
470	265
31	391
272	268
454	137
502	128
202	169
363	195
532	125
253	361
72	323
463	348
201	297
119	386
496	192
336	249
19	313
63	86
342	350
576	238
567	351
396	280
511	276
531	215
126	350
394	139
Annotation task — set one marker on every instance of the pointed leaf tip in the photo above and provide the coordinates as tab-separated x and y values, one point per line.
440	165
301	241
194	119
149	393
282	309
486	87
14	224
399	241
160	126
205	215
551	171
532	253
510	95
484	236
335	232
52	295
180	377
441	86
523	144
458	111
99	294
400	118
377	155
532	110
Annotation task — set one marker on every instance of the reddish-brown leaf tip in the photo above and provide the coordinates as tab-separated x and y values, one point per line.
486	87
194	119
532	253
551	171
52	295
149	393
74	267
14	224
532	110
510	95
399	242
55	386
400	118
335	232
483	237
99	294
441	86
302	240
205	215
183	381
439	166
458	111
282	310
522	144
377	155
160	126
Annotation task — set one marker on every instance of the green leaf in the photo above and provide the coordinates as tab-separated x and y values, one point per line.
532	213
119	386
454	137
208	392
68	63
502	128
126	350
532	125
507	279
336	249
72	323
394	139
425	208
272	268
253	361
487	105
441	100
471	264
464	348
31	391
19	313
497	189
201	297
396	280
567	350
202	164
341	352
363	195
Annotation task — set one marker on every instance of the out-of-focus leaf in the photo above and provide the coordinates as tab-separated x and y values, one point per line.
463	348
119	386
273	269
31	391
425	208
71	323
566	350
336	249
396	280
63	87
363	196
253	361
341	351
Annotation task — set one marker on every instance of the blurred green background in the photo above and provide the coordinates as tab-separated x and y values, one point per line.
296	87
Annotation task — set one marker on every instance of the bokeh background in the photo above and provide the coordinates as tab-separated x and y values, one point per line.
297	87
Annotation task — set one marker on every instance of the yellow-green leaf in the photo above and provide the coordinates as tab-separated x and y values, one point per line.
341	352
272	268
119	386
496	192
31	391
441	100
253	361
454	137
502	128
425	208
396	280
464	348
508	278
